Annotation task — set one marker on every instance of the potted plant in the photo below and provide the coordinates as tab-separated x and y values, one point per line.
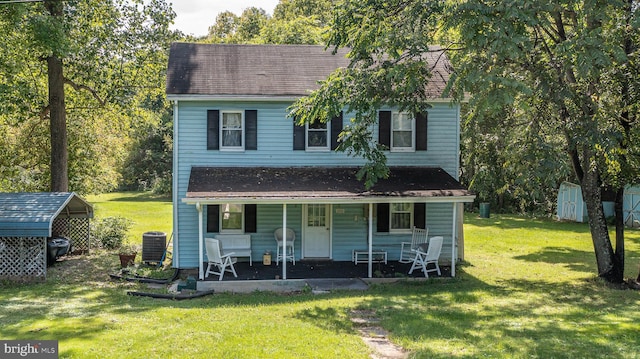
127	253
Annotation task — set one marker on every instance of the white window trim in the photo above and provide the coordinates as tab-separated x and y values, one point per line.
231	231
411	220
326	148
243	130
413	134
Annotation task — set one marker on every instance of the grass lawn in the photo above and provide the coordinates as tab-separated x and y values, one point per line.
527	290
148	212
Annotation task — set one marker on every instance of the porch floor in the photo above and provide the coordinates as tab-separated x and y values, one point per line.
307	269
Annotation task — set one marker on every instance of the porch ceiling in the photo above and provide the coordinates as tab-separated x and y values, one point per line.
325	184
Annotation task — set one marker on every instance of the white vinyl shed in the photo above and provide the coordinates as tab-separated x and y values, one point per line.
28	219
571	206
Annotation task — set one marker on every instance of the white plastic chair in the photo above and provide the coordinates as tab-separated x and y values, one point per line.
422	259
222	262
408	249
290	250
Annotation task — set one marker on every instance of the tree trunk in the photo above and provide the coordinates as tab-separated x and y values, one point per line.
58	126
591	193
619	253
57	113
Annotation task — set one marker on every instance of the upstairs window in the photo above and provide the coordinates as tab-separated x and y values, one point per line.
232	130
402	132
318	136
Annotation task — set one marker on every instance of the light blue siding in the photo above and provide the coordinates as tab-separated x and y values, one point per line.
349	231
275	148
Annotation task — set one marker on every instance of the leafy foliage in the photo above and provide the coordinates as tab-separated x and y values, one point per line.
114	58
293	22
110	232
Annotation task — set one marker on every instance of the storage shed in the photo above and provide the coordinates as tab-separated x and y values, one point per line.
571	206
28	219
631	207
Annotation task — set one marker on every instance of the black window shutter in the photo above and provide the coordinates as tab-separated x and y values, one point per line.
336	128
298	137
250	218
384	128
382	212
213	123
421	131
213	218
251	124
420	215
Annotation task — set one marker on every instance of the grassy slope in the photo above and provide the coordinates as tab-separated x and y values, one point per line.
526	290
149	213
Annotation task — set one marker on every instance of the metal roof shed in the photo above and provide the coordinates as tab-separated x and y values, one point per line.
27	219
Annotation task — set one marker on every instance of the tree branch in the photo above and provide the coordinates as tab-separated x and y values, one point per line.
79	87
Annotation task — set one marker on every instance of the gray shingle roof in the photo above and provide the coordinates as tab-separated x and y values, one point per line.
319	183
265	70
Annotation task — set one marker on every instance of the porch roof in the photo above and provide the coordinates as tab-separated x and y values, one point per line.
321	185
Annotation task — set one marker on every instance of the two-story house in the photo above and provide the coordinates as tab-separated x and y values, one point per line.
242	166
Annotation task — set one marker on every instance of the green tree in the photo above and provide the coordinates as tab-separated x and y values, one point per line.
576	58
298	22
388	41
574	63
293	22
251	23
78	65
295	9
224	28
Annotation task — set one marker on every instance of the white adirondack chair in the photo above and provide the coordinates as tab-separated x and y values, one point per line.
217	260
408	249
422	259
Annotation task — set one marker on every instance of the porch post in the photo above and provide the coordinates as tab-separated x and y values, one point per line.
370	235
284	241
200	240
454	231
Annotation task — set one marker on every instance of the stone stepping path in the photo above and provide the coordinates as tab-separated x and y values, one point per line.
375	336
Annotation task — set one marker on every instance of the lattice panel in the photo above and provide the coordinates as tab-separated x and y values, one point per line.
23	258
76	229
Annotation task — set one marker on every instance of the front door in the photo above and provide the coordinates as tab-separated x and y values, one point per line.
317	231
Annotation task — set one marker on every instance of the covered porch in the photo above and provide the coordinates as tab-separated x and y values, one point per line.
352	217
309	269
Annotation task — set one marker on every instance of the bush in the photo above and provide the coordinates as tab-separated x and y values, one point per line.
110	232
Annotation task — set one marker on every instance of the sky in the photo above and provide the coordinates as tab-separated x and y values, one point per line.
193	17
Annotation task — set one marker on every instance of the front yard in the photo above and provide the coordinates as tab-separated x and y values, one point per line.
527	289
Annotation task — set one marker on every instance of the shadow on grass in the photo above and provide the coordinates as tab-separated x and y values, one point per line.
141	197
508	222
463	317
467	318
572	258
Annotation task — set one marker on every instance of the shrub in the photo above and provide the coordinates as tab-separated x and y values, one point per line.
110	232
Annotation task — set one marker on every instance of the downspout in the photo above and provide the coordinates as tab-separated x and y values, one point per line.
457	177
284	241
453	239
174	180
200	241
370	235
